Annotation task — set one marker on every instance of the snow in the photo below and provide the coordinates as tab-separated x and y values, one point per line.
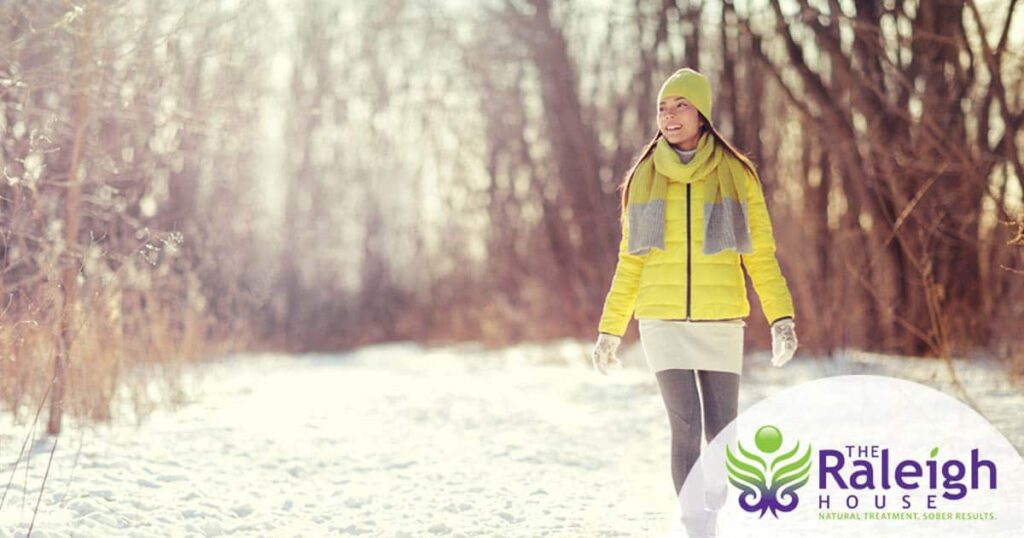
400	440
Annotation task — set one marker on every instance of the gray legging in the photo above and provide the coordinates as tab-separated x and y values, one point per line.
720	394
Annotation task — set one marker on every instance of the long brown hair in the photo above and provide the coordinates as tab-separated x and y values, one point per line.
649	148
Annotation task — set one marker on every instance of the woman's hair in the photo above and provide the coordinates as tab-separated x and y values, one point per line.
649	148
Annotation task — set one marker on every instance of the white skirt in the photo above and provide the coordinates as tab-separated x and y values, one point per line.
693	345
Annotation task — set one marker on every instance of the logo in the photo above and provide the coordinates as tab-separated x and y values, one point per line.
768	484
851	456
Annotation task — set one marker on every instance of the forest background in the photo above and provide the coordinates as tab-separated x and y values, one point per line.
186	179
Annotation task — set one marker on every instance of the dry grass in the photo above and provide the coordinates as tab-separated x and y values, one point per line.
127	354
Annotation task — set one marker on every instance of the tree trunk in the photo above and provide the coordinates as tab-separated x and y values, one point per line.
69	274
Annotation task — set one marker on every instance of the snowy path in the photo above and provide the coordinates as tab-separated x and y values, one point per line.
390	441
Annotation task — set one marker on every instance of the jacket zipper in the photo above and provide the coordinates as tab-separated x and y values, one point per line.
688	249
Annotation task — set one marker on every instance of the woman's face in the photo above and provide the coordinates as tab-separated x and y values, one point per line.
679	122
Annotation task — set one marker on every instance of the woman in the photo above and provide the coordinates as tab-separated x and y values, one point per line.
693	215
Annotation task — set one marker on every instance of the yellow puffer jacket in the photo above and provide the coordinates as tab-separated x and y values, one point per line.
682	282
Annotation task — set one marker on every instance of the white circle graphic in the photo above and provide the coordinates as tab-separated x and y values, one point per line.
855	455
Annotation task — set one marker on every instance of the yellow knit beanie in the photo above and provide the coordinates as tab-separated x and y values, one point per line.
693	86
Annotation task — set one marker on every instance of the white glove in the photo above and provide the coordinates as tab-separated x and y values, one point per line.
784	341
604	352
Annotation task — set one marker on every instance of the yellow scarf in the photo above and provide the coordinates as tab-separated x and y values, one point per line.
725	196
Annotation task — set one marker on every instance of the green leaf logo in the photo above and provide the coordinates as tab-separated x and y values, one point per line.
768	484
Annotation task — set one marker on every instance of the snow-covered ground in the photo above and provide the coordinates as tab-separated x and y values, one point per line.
397	440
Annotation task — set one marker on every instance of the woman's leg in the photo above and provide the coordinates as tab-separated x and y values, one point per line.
720	395
679	391
720	392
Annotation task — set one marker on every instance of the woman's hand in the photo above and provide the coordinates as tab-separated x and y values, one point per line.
784	341
604	352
